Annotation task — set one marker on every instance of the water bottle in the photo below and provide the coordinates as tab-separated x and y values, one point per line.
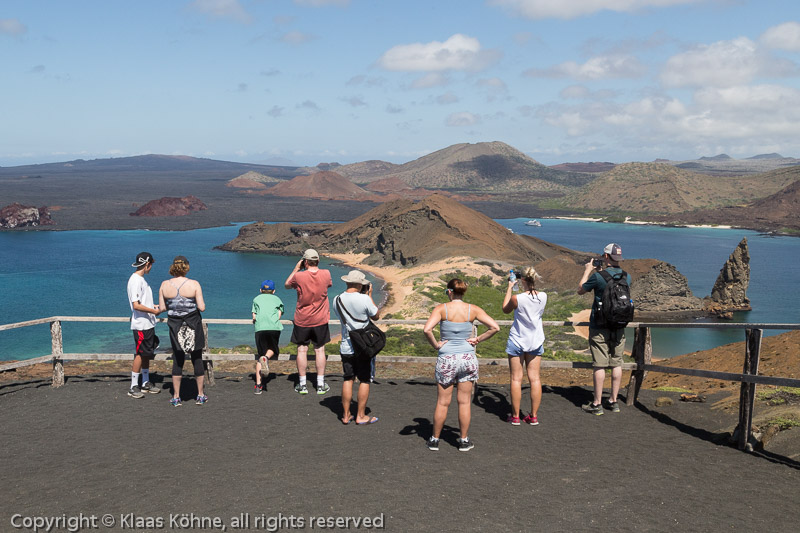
512	277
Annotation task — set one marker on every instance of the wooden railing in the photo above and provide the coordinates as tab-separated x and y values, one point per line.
641	353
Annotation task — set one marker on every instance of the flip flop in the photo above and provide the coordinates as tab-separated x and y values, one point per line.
370	421
348	420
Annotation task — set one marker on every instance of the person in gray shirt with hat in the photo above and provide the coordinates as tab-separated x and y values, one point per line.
355	308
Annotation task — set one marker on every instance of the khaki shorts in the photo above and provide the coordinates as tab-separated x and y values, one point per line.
606	347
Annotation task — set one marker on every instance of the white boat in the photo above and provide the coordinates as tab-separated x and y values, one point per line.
533	222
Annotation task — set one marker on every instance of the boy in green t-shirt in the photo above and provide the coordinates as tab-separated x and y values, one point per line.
267	311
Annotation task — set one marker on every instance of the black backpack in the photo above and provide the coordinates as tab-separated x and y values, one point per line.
615	308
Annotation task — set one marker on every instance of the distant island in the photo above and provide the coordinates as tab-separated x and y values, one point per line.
493	178
403	241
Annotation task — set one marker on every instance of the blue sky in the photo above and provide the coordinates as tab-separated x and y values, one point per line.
310	81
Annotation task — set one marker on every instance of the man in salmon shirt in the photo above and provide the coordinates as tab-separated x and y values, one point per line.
311	316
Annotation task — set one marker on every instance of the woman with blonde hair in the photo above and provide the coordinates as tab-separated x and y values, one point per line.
183	299
525	342
457	363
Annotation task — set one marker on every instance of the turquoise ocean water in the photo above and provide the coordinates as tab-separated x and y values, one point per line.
46	273
84	273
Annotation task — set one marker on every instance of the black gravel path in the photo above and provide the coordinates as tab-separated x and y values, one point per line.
89	448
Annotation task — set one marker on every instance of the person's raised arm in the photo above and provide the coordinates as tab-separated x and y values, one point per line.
377	314
588	269
509	300
288	283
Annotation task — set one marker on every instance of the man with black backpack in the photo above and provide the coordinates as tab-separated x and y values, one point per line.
612	309
355	308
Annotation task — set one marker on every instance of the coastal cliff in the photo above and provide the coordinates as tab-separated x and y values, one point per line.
20	216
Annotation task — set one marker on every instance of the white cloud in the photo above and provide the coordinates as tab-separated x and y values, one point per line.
459	52
447	98
275	111
741	116
596	68
568	9
785	36
231	9
581	92
12	27
308	104
724	64
296	37
432	79
394	109
355	101
462	119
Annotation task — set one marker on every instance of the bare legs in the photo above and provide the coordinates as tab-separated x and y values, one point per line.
515	369
464	399
599	379
259	366
302	360
347	397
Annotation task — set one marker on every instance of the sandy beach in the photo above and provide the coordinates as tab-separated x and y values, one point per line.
402	296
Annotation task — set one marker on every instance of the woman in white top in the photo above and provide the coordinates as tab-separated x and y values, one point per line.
525	342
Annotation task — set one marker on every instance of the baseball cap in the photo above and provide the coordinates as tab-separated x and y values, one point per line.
268	285
142	259
614	251
311	255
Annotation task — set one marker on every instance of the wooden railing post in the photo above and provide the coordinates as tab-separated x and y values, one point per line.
747	394
57	343
642	355
208	365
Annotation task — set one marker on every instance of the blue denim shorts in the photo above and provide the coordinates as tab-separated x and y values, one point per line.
515	351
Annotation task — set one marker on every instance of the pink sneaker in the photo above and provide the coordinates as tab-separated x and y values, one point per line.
530	419
514	420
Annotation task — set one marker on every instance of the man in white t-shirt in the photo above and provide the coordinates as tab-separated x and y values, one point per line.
143	323
355	307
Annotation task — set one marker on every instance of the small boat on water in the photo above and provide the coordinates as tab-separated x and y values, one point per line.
533	222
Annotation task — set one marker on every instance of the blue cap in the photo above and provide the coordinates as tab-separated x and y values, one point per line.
268	285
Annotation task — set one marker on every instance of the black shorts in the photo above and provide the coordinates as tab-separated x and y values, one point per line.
267	340
145	342
356	367
319	335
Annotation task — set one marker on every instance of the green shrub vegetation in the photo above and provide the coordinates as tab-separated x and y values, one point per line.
482	292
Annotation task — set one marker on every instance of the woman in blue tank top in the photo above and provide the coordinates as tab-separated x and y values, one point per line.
456	364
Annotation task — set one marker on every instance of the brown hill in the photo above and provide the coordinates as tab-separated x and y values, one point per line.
493	166
252	180
365	171
402	232
655	188
777	212
324	185
589	168
170	207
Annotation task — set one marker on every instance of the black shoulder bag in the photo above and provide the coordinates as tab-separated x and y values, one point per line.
366	341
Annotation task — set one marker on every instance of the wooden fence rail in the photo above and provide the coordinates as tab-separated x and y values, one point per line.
641	353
